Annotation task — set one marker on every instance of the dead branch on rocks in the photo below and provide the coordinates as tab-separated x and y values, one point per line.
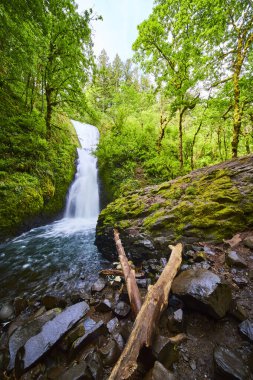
129	274
117	272
144	327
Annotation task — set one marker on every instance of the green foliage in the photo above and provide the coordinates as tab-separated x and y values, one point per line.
34	173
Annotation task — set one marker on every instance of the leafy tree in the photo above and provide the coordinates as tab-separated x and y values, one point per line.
225	30
68	54
166	47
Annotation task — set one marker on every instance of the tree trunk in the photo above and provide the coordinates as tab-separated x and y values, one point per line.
146	321
49	110
163	124
237	115
181	159
129	274
180	127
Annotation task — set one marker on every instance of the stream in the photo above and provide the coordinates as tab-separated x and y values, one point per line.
59	257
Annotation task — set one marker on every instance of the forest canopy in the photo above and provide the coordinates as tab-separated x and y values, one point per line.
191	103
182	102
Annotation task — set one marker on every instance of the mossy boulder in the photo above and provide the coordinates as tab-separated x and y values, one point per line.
208	204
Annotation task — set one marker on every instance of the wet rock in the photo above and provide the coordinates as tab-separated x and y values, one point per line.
238	311
175	321
233	259
240	281
4	359
193	365
95	365
125	329
200	256
208	251
76	372
92	330
23	333
117	282
201	265
20	304
94	301
248	242
110	353
55	372
112	325
79	297
143	283
159	372
51	332
229	365
73	335
175	303
51	302
99	285
203	291
119	340
6	312
104	306
37	372
165	351
246	328
121	309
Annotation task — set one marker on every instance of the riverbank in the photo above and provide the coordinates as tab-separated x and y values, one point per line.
216	340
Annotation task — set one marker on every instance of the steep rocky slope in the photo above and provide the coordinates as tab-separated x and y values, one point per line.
208	204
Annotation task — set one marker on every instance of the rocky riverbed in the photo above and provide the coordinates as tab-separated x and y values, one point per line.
82	336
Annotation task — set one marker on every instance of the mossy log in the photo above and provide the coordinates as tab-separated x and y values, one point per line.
208	204
146	321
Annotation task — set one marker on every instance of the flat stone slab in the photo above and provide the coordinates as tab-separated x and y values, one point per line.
51	332
246	328
202	290
92	330
23	333
229	364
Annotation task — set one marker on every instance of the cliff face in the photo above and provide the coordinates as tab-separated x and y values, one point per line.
208	204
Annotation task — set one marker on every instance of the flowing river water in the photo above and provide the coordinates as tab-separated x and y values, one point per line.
60	257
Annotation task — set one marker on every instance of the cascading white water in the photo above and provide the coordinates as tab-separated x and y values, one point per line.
55	257
83	198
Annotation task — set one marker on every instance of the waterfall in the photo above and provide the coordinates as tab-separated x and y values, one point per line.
83	197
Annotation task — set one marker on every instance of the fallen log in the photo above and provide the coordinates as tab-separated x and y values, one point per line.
129	274
118	272
144	327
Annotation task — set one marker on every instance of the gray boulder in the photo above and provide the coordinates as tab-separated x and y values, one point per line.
229	364
6	312
202	290
233	259
246	328
50	333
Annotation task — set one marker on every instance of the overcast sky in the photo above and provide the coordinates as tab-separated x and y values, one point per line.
118	30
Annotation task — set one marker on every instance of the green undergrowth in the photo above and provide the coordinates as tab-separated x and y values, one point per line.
35	172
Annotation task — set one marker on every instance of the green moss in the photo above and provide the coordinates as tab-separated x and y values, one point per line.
34	173
204	205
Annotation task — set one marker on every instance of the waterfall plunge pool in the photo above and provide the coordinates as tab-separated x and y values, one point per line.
60	257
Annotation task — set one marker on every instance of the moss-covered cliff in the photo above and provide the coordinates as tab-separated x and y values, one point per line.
208	204
35	172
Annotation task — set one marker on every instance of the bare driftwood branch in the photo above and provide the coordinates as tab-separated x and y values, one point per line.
118	272
129	274
146	321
